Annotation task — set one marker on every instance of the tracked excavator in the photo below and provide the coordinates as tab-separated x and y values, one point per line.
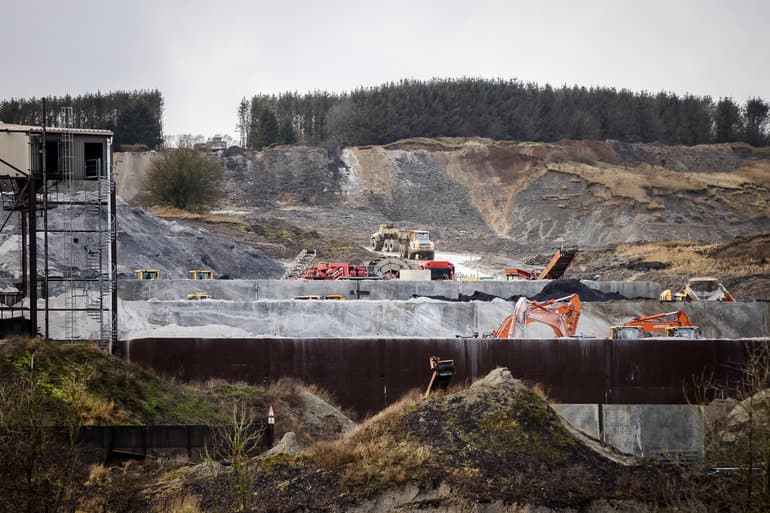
668	324
561	315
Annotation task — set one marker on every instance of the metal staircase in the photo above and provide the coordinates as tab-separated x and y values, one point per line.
301	262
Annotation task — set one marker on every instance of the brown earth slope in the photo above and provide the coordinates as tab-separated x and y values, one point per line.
471	191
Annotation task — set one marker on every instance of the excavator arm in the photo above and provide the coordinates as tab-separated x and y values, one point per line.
675	323
561	315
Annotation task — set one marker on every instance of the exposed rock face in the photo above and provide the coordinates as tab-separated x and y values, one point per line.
542	194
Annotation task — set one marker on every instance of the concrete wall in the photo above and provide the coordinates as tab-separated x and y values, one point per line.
129	170
417	317
647	430
364	289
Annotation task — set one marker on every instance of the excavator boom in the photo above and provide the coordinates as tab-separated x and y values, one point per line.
561	315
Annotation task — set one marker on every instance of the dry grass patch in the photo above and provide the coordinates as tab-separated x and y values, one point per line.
639	183
186	504
379	454
684	257
176	213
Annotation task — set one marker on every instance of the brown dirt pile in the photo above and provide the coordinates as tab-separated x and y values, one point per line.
495	442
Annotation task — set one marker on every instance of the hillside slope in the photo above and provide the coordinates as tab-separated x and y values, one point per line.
504	193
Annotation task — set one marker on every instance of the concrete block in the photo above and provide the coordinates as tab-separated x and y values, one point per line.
674	431
583	417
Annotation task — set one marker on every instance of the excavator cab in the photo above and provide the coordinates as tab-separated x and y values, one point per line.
627	332
689	332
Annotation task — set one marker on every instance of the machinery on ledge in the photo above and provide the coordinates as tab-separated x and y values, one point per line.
384	268
146	274
699	289
669	324
561	315
334	271
555	269
441	374
409	244
200	274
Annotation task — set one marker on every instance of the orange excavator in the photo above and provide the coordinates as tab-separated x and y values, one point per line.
669	324
560	314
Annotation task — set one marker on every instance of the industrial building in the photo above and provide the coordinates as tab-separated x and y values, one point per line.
58	198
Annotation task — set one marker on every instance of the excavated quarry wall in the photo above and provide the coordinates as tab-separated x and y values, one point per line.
250	290
416	317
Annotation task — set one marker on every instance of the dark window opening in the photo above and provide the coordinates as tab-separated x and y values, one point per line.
52	157
93	153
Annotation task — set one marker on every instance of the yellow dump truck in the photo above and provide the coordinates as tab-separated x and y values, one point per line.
410	244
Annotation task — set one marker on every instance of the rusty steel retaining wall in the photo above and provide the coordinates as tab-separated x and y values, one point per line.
367	374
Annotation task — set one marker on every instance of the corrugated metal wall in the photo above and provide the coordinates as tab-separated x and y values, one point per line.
78	152
367	374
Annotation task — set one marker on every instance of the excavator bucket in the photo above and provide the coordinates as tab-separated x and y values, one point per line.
441	374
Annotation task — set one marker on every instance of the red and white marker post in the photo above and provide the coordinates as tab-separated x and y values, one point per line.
270	424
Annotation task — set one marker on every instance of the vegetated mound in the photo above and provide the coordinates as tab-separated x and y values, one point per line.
104	389
494	442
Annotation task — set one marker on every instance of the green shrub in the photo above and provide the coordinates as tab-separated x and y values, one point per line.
183	178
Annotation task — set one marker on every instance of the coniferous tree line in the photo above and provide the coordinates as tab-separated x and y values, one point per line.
135	117
498	109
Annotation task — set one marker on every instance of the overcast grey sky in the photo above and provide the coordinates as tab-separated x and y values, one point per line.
205	56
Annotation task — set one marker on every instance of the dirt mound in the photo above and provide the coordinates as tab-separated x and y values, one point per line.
494	442
561	288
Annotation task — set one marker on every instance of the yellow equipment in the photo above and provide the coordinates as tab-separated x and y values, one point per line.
146	274
198	295
699	289
201	274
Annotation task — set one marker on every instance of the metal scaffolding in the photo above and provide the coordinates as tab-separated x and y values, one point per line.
73	208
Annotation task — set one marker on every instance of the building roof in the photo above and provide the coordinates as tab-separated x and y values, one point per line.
8	127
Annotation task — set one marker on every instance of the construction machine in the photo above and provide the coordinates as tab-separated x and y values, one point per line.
441	372
439	269
668	324
146	274
389	268
410	244
555	269
334	271
561	315
200	274
699	289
